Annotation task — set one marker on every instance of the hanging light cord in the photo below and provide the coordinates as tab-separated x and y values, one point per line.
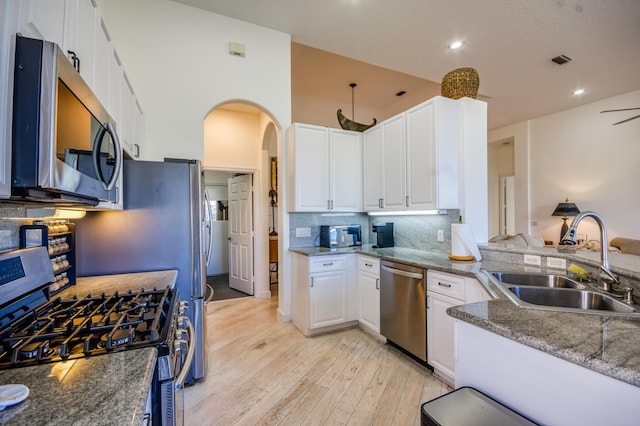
353	101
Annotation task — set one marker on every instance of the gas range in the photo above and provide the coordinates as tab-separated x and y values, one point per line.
37	329
68	329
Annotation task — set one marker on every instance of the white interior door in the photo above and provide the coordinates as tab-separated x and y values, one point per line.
241	234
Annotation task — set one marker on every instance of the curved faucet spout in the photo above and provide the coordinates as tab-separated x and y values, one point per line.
606	276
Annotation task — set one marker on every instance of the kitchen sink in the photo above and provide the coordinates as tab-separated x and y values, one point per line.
575	299
558	293
538	280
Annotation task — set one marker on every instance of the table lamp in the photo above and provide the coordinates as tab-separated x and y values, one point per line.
565	210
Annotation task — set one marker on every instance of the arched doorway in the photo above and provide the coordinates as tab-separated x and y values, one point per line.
242	138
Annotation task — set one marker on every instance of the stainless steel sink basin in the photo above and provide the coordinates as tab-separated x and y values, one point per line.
564	298
538	280
558	293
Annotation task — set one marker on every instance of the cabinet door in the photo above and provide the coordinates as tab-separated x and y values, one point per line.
421	157
394	159
311	165
328	299
43	19
116	79
127	105
440	335
373	183
369	287
8	26
138	131
80	32
101	63
345	170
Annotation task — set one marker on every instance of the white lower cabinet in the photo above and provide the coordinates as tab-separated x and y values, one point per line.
323	292
369	293
443	291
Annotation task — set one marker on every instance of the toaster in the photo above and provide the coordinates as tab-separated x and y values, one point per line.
336	236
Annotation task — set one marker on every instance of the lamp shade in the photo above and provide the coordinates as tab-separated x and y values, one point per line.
566	209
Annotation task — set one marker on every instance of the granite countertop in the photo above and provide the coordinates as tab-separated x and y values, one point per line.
102	390
605	344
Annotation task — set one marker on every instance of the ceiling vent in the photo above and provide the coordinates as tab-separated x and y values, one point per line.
562	59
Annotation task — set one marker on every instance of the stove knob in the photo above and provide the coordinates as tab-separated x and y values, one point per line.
180	347
182	334
182	322
184	305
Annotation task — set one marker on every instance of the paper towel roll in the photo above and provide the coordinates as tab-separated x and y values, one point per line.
463	242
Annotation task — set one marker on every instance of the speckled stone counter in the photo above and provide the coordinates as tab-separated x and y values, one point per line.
108	389
605	344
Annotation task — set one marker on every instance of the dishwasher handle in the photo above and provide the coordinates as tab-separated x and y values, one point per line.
403	273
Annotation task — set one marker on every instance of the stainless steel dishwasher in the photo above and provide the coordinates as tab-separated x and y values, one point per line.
403	315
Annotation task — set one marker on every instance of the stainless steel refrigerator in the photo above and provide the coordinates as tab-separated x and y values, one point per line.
163	226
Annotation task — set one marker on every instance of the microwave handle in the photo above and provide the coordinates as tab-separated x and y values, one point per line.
96	156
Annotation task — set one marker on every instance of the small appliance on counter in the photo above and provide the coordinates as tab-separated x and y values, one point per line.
336	236
384	234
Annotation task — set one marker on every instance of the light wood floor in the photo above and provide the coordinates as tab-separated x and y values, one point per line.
264	372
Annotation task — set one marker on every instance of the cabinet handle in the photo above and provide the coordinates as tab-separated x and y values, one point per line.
380	202
328	205
331	204
328	264
406	201
428	302
311	281
377	283
368	265
444	285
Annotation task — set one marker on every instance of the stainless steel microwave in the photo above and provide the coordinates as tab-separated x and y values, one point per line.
65	149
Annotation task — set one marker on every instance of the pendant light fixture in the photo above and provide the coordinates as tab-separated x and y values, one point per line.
347	124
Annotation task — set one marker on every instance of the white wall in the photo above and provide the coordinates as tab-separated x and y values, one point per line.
579	154
176	57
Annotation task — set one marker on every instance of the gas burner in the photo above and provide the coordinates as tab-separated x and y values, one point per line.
119	337
30	351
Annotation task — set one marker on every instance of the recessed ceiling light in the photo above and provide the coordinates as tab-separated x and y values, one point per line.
455	45
578	92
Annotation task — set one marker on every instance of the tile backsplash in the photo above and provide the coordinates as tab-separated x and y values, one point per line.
417	232
10	221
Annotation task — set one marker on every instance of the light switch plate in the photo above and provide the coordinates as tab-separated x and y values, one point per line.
440	235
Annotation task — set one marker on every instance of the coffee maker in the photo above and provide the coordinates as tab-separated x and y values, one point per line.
384	234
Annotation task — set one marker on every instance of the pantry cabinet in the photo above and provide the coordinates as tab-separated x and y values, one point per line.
369	293
444	291
323	293
325	169
9	14
411	160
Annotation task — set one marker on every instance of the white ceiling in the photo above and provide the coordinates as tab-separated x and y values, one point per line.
509	42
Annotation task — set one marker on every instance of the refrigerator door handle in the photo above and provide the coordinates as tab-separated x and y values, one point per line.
209	226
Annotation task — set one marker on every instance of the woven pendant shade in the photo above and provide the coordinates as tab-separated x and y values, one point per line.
459	83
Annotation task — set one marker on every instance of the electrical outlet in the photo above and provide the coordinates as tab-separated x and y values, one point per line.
440	235
556	262
530	259
303	232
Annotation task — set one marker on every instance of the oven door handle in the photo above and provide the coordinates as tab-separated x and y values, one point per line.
186	366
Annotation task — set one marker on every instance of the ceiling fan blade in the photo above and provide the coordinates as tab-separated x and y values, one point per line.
628	119
616	110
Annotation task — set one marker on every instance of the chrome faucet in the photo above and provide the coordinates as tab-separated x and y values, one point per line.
606	277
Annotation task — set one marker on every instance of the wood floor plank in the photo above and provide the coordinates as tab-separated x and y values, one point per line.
261	371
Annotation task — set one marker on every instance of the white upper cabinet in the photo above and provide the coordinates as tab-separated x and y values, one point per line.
433	144
80	33
43	19
9	13
373	169
411	160
325	169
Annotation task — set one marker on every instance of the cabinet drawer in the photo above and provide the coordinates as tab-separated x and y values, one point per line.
327	263
446	284
369	264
